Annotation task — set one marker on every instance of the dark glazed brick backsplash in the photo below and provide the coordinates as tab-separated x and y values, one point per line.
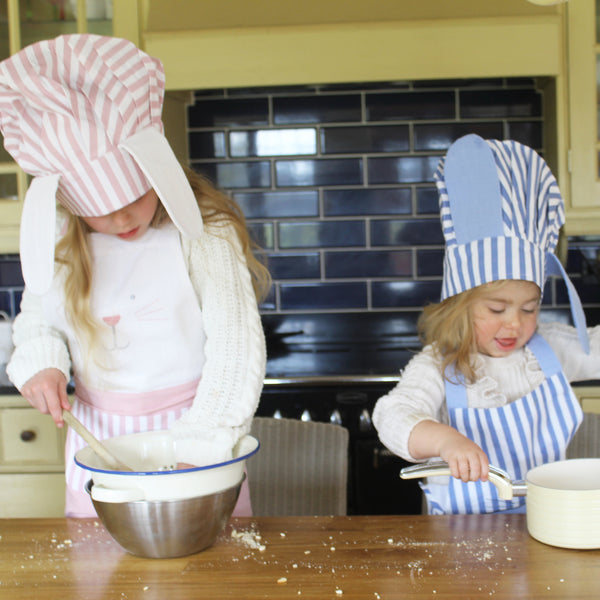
336	182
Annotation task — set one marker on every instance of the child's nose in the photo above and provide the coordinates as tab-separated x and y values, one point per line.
121	216
513	320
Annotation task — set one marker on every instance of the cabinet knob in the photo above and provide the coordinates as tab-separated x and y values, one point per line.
27	435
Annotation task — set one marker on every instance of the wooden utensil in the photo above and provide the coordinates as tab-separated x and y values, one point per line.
98	447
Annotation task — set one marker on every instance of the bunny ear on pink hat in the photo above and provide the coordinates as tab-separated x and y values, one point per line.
82	114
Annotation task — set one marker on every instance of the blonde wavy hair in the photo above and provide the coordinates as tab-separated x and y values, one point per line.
72	253
448	327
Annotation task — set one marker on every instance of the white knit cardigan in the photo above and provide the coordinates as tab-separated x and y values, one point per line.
235	350
420	394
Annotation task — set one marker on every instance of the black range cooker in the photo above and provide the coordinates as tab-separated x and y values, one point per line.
333	368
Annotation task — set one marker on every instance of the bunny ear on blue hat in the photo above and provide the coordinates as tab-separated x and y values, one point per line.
473	190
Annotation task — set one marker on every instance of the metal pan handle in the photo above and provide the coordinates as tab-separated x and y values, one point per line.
501	479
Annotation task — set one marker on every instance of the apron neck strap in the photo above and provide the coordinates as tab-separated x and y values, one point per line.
456	389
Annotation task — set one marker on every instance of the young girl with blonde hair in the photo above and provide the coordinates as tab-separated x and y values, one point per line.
491	385
149	298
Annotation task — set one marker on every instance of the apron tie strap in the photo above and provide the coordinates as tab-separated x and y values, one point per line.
138	403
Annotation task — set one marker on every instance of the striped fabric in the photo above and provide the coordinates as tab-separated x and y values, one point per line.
534	428
67	104
105	425
501	212
528	432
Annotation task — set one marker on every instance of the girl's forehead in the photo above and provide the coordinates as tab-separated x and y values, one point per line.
510	288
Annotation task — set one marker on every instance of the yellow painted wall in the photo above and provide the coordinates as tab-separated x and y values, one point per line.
181	15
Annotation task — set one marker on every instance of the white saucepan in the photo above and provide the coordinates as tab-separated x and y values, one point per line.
563	498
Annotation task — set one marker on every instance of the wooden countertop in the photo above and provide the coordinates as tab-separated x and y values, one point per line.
359	558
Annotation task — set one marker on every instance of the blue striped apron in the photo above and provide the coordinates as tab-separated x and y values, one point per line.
530	431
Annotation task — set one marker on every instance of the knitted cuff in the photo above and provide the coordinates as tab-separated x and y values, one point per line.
34	356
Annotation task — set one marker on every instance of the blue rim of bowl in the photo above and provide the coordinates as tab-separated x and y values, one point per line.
174	471
90	483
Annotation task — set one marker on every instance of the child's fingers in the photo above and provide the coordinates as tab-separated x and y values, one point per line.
464	470
474	469
485	468
55	410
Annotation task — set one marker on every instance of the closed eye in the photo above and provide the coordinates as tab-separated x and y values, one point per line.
497	310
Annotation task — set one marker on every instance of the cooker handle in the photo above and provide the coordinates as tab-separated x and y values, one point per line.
501	479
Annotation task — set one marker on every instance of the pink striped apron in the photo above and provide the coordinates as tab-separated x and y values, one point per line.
154	342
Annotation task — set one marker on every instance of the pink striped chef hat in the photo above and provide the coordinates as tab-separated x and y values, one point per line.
82	114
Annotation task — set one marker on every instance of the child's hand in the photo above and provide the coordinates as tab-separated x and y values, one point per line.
467	461
47	391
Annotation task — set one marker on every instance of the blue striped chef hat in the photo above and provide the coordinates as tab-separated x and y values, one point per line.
501	212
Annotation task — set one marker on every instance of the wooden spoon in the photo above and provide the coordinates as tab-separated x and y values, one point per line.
98	447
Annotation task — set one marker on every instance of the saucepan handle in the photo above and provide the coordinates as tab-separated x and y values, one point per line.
501	479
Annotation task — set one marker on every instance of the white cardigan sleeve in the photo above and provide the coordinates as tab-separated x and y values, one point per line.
38	346
576	364
235	350
419	395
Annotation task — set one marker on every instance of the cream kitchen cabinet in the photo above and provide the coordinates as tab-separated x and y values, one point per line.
32	480
583	68
589	396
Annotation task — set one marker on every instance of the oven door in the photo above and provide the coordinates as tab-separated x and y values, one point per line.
377	487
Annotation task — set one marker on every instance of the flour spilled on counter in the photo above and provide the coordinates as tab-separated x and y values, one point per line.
50	553
413	562
250	539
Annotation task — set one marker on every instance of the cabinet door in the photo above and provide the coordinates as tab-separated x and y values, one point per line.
584	154
32	495
29	438
589	398
591	404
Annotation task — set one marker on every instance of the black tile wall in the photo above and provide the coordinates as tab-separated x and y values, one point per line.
323	296
342	195
11	284
330	171
379	138
402	169
264	205
368	263
228	111
410	105
477	104
439	136
328	108
274	142
336	184
360	202
321	234
406	232
232	175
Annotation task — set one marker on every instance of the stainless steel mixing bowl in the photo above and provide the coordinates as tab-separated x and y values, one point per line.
167	528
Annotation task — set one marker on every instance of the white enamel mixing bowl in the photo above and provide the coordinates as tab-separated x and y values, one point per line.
152	455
